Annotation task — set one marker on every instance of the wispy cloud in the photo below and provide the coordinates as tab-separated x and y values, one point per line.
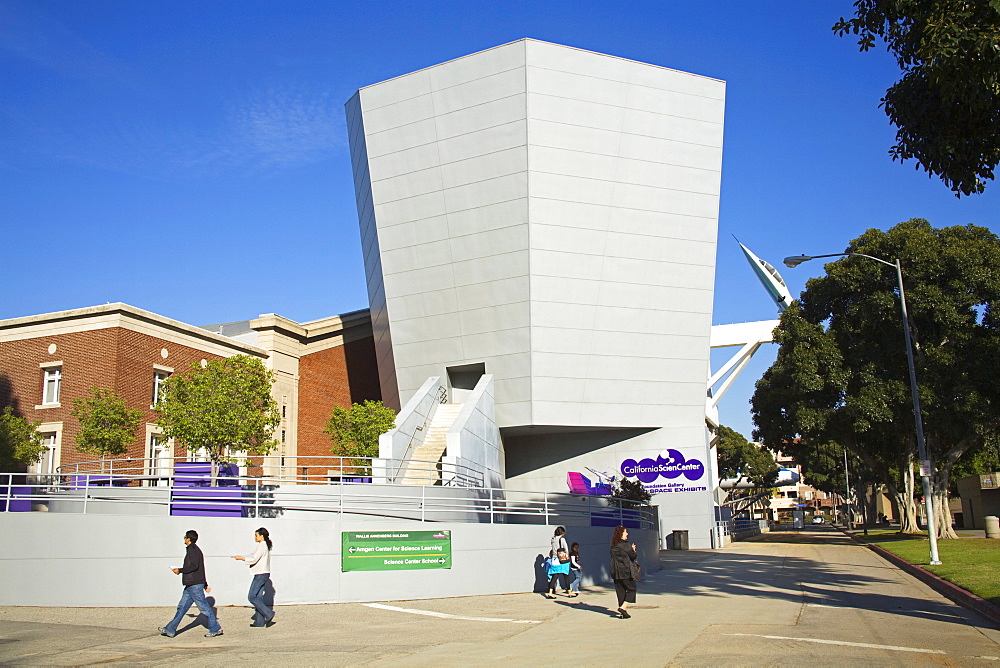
282	128
267	131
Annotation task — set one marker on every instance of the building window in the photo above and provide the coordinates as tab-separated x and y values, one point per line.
47	464
283	407
51	385
158	460
159	378
282	435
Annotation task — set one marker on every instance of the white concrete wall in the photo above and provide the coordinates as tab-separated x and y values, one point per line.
475	436
551	212
625	165
411	422
53	559
540	461
442	153
372	256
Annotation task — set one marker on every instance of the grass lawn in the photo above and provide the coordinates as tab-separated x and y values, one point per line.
971	563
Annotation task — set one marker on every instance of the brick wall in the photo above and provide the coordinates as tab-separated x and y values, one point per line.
338	376
112	357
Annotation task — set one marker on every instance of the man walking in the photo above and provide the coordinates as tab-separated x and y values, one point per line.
195	587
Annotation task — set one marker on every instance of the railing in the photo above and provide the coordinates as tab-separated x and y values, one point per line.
270	470
256	498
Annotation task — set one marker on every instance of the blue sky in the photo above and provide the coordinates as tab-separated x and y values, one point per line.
190	158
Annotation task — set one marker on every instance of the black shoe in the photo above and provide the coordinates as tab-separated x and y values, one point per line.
164	632
270	623
623	614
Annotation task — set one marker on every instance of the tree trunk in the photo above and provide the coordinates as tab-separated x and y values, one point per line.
939	496
907	504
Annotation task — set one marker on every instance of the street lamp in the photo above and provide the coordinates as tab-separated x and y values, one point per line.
796	260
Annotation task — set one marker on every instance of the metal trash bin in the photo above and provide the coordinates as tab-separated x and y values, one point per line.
680	539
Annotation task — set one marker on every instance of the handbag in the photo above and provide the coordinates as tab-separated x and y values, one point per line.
636	570
562	556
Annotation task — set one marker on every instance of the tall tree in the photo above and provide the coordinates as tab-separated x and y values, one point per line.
742	460
107	425
223	409
946	105
20	442
841	372
354	431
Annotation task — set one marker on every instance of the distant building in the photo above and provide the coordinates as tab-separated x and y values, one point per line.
48	360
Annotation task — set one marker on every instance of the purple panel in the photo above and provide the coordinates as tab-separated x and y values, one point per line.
207	502
16	505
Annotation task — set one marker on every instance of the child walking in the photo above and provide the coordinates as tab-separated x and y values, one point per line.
553	569
575	570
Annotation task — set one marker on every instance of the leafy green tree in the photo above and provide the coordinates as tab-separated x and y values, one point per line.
629	493
20	442
107	425
841	374
354	431
946	105
223	409
742	460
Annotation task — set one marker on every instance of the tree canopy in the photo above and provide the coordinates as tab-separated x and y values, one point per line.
354	431
20	442
222	408
841	374
946	104
107	425
743	460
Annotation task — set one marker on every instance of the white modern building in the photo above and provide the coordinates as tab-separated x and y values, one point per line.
547	217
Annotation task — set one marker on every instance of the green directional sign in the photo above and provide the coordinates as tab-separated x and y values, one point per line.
394	550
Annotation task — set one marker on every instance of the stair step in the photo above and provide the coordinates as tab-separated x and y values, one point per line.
433	447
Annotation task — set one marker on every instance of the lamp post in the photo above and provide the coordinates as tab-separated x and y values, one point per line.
796	260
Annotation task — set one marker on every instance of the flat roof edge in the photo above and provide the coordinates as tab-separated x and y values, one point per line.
525	40
132	312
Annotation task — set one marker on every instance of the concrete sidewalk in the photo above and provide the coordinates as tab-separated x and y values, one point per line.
782	599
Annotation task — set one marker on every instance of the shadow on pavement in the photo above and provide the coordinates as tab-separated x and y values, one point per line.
600	609
796	579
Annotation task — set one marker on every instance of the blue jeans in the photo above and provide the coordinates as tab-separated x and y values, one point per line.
575	575
194	594
262	613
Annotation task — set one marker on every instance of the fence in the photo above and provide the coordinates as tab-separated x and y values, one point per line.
127	490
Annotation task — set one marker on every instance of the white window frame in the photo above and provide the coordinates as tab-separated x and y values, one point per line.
51	374
160	375
46	467
159	461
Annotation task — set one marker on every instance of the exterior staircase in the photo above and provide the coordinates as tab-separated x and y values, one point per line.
422	471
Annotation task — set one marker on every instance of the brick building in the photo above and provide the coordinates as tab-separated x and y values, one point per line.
48	360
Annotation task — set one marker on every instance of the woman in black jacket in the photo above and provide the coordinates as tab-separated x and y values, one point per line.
624	570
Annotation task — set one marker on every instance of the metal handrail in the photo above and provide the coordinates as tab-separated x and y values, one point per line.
463	474
353	497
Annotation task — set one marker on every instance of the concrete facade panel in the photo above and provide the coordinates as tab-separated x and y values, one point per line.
476	65
482	142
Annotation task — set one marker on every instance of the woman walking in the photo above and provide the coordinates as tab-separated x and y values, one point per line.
561	551
624	570
260	565
554	569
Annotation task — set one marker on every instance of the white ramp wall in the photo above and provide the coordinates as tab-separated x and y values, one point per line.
54	559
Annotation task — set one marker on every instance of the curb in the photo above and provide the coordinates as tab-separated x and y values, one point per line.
947	589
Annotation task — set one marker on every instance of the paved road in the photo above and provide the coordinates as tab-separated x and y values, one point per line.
784	599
